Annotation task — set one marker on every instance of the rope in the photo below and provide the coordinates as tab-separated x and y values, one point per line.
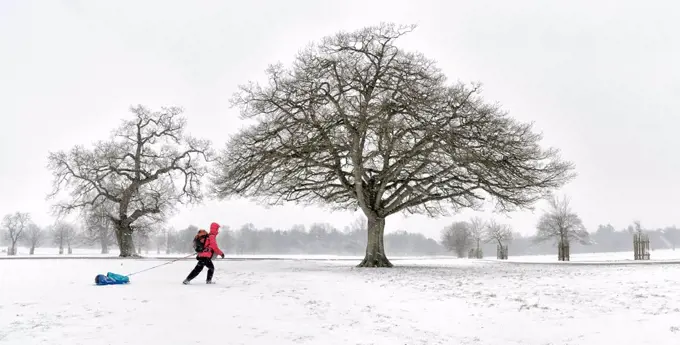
163	264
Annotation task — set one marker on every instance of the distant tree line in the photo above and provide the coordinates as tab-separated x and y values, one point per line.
17	229
317	239
92	229
559	224
95	232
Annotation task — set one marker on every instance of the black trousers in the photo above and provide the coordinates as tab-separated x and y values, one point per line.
207	262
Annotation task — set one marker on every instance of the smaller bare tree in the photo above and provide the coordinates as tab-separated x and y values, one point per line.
99	227
477	226
35	235
457	238
57	236
170	240
160	239
358	224
64	234
561	224
72	235
146	229
496	232
499	233
15	224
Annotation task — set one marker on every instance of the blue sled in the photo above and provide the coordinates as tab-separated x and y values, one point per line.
111	279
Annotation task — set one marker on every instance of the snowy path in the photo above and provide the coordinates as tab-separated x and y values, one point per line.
307	302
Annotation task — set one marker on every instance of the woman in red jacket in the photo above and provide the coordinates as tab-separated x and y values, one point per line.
210	249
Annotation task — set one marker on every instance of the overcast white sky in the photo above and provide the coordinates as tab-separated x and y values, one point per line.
600	79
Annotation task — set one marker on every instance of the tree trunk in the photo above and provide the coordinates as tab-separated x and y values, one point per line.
104	241
375	247
125	243
12	249
563	250
70	251
61	248
32	251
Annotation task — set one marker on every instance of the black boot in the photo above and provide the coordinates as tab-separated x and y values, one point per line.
208	279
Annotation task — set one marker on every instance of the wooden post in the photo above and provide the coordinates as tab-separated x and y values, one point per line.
641	246
646	247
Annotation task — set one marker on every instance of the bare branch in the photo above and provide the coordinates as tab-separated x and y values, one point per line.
496	232
477	226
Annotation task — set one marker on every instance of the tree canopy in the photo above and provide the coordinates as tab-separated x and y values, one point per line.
357	121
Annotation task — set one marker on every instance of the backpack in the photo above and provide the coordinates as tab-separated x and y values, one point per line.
199	240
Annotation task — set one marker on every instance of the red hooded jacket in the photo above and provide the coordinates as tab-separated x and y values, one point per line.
211	243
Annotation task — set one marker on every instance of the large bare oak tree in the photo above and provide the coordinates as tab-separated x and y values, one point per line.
146	168
358	122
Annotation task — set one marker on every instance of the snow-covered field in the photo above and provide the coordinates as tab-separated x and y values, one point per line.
659	255
422	301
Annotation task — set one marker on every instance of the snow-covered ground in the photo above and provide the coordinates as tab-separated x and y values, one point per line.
660	255
655	255
330	302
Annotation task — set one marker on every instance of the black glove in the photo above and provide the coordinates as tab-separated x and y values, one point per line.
222	255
